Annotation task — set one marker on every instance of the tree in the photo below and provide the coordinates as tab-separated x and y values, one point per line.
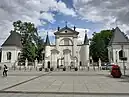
98	46
29	39
39	49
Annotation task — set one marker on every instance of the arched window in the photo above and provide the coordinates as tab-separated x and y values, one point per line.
66	41
48	64
18	55
8	55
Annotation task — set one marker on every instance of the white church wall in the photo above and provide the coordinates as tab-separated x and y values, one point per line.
14	55
77	53
57	41
69	42
87	52
116	60
84	54
75	45
48	51
60	49
54	58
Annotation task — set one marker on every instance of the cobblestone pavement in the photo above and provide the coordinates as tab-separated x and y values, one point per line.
63	84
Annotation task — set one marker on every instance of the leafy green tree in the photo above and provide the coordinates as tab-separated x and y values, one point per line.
30	40
98	45
39	49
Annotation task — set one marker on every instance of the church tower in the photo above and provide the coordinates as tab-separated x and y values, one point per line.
47	51
84	52
86	47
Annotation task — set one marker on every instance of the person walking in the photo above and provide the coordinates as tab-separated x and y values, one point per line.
5	70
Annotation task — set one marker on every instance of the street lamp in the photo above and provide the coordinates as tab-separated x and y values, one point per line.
43	57
123	58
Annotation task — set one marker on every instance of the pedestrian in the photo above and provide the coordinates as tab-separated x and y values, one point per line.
5	70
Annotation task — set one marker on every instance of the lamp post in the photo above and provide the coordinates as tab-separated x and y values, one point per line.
43	57
123	58
77	58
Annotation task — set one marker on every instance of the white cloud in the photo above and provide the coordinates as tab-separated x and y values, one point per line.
62	8
28	10
81	35
48	16
43	32
5	27
104	11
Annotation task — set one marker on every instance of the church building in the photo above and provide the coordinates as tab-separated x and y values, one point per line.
119	48
11	50
66	51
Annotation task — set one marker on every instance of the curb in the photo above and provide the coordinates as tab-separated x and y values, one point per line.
76	93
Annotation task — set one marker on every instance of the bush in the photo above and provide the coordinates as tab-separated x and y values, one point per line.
51	69
40	69
76	69
64	69
46	70
57	66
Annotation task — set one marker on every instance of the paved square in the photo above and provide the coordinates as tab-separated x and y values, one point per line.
63	84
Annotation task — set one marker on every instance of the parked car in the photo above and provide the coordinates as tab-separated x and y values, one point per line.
104	66
109	66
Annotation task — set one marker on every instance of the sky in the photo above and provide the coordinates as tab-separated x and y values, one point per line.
87	15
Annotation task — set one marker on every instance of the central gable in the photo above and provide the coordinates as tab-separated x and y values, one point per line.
66	31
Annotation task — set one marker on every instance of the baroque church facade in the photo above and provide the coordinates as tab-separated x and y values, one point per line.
66	51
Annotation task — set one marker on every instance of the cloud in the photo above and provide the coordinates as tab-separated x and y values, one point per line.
104	11
29	10
43	33
48	16
67	11
81	35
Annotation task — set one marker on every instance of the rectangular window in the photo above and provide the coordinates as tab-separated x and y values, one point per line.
8	55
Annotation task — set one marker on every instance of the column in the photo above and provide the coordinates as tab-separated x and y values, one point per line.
114	56
36	63
88	65
57	42
26	63
99	64
74	45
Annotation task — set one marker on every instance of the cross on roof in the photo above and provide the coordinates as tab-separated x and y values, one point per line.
85	31
66	23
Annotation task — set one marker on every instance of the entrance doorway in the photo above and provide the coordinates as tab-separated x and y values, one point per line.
48	64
